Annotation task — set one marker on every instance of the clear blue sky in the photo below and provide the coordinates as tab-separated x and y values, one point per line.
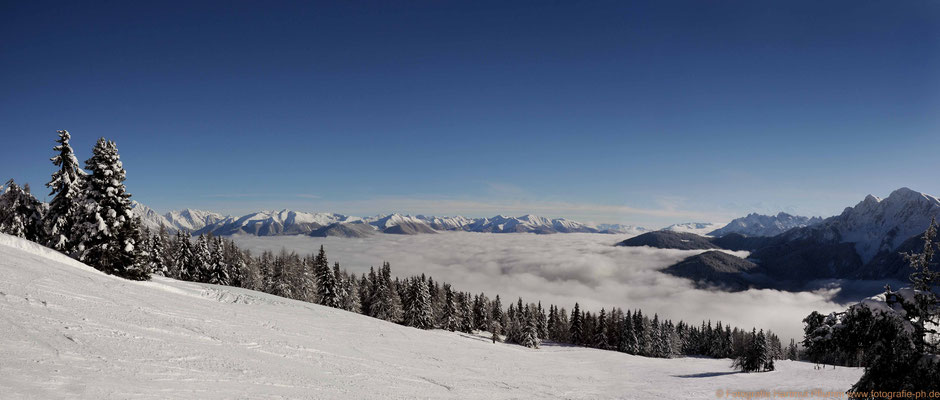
649	113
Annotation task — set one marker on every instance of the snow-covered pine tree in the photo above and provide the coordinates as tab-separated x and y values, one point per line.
350	301
655	335
202	259
494	331
551	322
466	313
530	337
66	190
600	335
628	342
760	351
451	322
418	313
326	281
218	269
497	313
21	214
542	321
577	327
158	251
643	327
480	316
108	232
184	256
792	352
341	284
365	292
393	295
563	326
235	262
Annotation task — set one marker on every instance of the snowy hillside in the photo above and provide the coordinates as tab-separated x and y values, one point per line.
698	228
765	225
875	224
72	332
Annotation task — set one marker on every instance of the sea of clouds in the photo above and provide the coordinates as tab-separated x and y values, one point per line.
563	269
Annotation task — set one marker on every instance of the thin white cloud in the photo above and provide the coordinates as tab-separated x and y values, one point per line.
563	269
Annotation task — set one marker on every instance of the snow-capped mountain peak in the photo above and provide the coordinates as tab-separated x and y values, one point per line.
765	225
875	224
287	222
698	228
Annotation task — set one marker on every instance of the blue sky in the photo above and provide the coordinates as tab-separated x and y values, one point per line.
647	113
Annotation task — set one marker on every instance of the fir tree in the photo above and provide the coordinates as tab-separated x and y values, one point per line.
61	220
108	232
600	334
450	310
498	313
158	251
480	316
418	313
21	214
529	334
326	281
202	260
184	256
218	270
628	342
340	283
577	328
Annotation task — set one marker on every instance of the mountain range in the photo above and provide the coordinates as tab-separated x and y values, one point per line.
288	222
863	242
765	225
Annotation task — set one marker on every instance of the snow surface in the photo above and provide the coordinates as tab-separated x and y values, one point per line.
71	332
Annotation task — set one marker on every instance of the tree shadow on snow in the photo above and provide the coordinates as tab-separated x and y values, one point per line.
707	374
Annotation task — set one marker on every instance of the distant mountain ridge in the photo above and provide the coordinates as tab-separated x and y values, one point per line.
765	225
698	228
863	242
288	222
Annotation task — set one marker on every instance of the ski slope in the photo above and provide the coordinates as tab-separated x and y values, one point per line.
68	331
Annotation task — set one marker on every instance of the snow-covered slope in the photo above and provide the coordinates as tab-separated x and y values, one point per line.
71	332
698	228
765	225
875	224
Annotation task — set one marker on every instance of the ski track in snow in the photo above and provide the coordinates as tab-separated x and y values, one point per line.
67	331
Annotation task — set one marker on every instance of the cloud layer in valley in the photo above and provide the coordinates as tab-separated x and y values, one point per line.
562	269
